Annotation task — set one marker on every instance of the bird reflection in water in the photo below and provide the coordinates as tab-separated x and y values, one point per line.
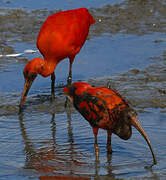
47	161
54	161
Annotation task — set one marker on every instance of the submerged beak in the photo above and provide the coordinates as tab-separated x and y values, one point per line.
135	122
27	86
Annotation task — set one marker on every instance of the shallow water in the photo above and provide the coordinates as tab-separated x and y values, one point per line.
126	46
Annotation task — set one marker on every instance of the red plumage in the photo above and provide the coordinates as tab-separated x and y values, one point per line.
106	109
61	36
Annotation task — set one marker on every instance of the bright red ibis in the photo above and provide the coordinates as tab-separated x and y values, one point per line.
61	36
106	109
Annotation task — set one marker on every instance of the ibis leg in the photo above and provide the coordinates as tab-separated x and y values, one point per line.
95	132
109	147
52	86
69	79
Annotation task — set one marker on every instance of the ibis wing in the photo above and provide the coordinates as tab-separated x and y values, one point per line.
92	108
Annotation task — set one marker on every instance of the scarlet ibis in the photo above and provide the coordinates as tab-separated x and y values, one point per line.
106	109
61	36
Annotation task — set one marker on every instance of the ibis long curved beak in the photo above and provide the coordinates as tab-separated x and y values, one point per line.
135	122
27	86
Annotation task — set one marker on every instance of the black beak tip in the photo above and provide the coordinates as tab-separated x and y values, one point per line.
155	162
21	108
150	166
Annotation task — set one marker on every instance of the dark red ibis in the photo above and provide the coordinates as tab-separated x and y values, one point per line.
61	36
106	109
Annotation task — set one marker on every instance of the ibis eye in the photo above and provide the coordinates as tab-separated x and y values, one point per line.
30	76
33	75
25	74
132	113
